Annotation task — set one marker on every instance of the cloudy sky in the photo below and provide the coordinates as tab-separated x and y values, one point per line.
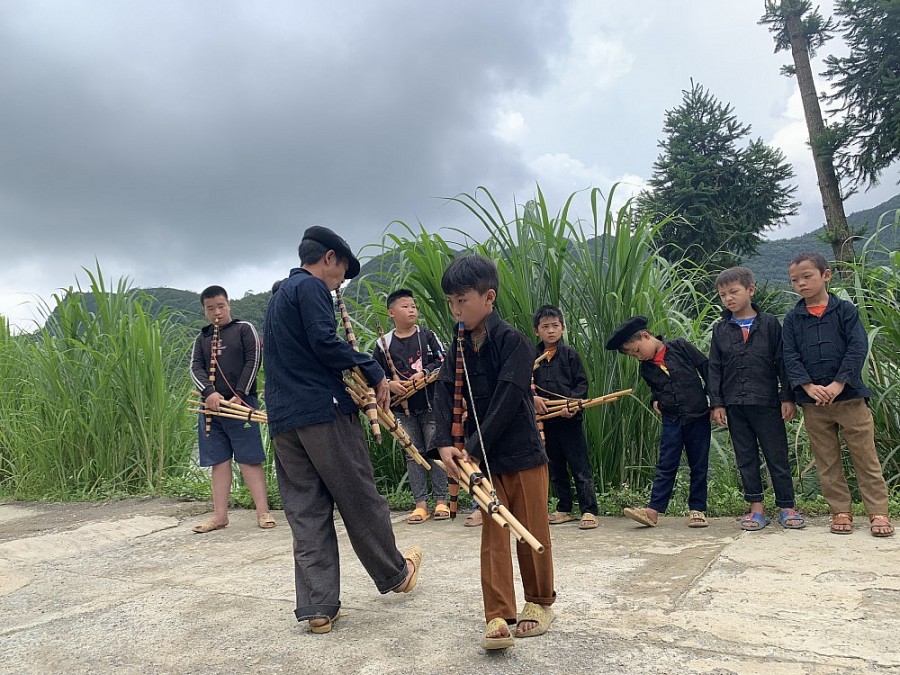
190	142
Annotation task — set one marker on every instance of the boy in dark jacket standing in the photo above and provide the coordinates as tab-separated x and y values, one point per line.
825	348
673	370
745	367
560	374
502	434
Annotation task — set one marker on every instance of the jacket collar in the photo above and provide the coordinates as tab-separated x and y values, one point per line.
832	303
727	313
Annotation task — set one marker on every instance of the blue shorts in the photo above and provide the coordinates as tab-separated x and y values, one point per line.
229	439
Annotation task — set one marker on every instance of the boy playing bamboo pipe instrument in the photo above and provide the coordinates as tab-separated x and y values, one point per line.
502	433
224	362
410	352
321	455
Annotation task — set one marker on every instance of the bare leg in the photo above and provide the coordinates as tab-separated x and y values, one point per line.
255	479
221	489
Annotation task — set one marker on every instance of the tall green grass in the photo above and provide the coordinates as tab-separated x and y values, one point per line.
94	403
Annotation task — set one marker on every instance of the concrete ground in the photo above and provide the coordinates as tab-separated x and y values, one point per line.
127	588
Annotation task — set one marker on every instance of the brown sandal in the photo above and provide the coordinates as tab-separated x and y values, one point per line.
842	523
880	525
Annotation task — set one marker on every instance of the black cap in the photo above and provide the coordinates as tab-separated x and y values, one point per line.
626	330
331	241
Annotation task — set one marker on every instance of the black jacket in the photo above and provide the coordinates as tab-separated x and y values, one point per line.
681	393
563	375
500	373
427	347
238	360
826	349
747	373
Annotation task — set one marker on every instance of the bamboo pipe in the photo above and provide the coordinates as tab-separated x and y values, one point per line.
557	408
413	386
395	376
369	406
394	428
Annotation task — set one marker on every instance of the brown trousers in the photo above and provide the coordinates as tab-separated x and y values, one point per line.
854	421
525	494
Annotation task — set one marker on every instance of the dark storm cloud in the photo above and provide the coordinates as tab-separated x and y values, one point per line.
154	130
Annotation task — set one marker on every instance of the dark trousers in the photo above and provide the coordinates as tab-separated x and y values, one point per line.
754	428
318	466
567	450
692	436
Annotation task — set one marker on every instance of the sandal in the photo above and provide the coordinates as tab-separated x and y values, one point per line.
418	516
473	519
754	521
266	521
639	516
559	517
791	519
414	555
698	519
490	643
536	614
881	525
441	512
842	523
321	628
588	522
208	526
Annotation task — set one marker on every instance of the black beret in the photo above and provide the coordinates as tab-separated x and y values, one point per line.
626	330
333	242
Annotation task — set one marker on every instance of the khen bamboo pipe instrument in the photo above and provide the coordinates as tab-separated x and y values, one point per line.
558	406
413	386
395	376
369	406
457	430
213	360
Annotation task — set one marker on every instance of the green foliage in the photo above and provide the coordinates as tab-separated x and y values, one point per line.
721	192
866	87
815	29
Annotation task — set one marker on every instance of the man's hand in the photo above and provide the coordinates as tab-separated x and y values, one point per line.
449	455
397	387
788	410
718	416
213	400
817	393
540	405
656	408
834	390
383	395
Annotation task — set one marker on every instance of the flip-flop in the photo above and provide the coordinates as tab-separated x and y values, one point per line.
588	522
534	612
441	512
324	627
414	554
418	516
639	516
489	643
754	521
788	515
208	526
266	521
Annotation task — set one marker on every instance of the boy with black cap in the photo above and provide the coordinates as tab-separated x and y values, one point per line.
414	352
321	455
673	370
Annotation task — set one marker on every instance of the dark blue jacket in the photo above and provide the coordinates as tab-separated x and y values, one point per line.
564	376
304	356
747	372
823	350
681	393
500	374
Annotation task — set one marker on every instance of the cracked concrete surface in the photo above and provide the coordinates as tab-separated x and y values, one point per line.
127	588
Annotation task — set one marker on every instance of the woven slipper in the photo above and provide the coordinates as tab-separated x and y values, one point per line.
698	519
208	526
639	516
542	617
588	522
266	521
441	512
326	627
559	517
418	516
489	643
414	554
473	519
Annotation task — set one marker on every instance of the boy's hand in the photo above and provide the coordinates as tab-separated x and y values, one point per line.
383	395
396	387
449	455
213	400
418	375
568	414
718	416
834	390
817	393
656	408
788	410
540	405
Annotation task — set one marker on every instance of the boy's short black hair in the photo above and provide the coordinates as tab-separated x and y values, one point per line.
212	292
396	295
276	286
735	275
816	259
634	337
471	272
548	312
311	251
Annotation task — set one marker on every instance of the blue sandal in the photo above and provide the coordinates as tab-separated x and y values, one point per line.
787	516
754	521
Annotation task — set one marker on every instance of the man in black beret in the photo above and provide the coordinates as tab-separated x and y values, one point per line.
321	454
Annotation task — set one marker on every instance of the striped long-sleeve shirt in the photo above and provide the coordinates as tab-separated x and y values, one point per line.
237	363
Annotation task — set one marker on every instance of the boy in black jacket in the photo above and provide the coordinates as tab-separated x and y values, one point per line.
502	434
561	375
672	369
745	367
825	348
